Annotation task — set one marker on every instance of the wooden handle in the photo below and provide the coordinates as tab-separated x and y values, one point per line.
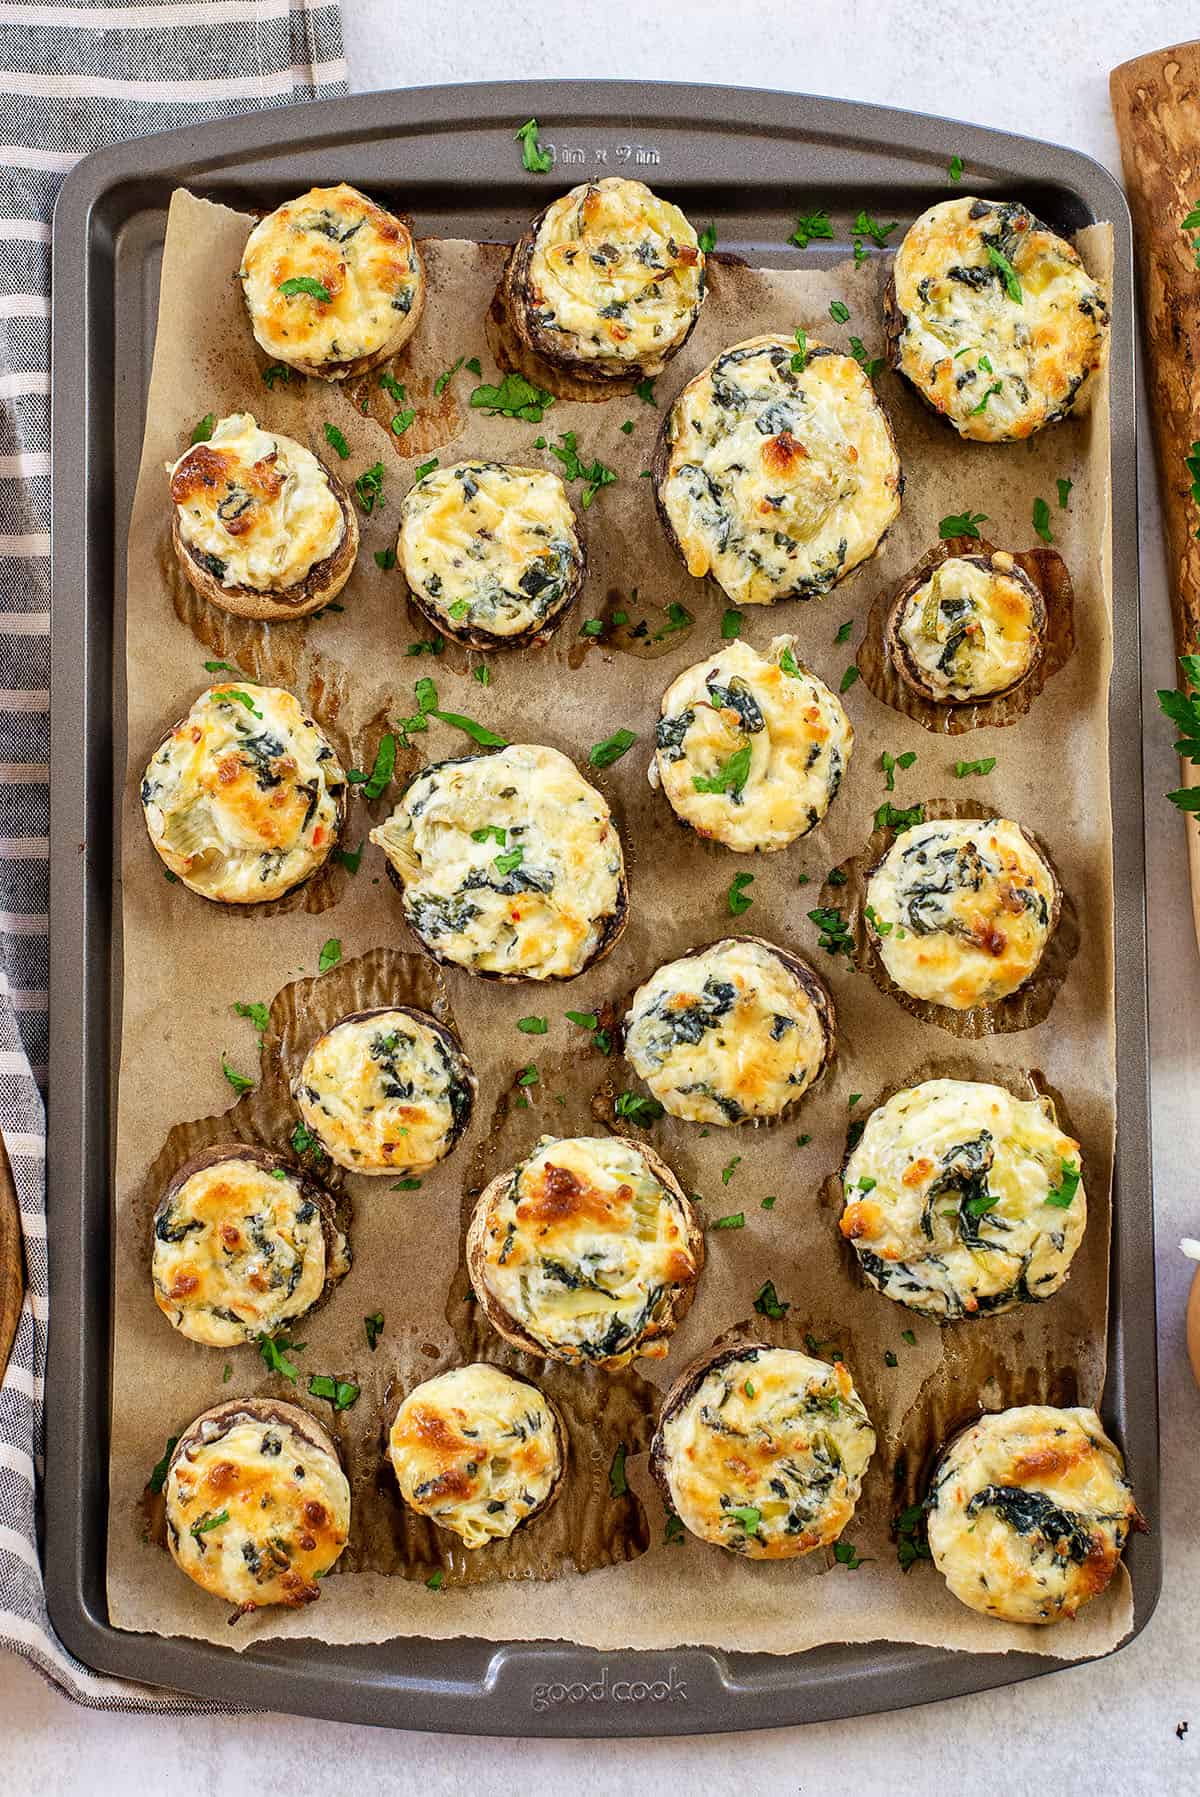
12	1263
1156	100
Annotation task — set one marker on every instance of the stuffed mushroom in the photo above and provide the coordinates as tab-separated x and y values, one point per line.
1029	1511
334	284
588	1251
751	749
490	552
606	283
993	318
960	911
763	1450
970	628
961	1200
386	1091
478	1451
776	471
244	1242
508	865
733	1033
257	1505
260	526
245	797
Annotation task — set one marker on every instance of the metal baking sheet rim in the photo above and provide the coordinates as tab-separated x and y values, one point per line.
465	1685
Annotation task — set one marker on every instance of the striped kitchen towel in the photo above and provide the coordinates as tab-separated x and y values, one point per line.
72	78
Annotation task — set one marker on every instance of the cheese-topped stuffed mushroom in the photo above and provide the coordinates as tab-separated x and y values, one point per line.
386	1091
763	1450
733	1033
334	284
607	282
750	749
588	1251
961	910
260	526
490	552
1029	1512
244	1242
993	318
245	797
971	628
478	1451
776	471
961	1200
509	864
257	1504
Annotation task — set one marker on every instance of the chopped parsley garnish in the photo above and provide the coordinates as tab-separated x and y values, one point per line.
482	673
731	776
845	1554
436	1580
674	1533
834	937
350	859
424	469
708	239
336	440
848	678
955	171
888	817
843	631
730	1168
789	664
1064	492
533	1026
961	524
645	392
800	353
274	1350
768	1303
889	764
865	226
392	386
870	365
1012	285
158	1476
510	860
276	371
528	1076
988	393
803	1141
603	754
643	1111
330	956
374	1328
205	1523
233	692
204	429
514	397
836	876
473	366
589	1020
385	559
737	898
368	488
535	160
492	832
405	1185
377	781
911	1542
962	769
618	1485
217	667
478	733
1041	519
402	420
735	1221
768	1203
595	474
296	284
427	646
906	1335
1061	1195
839	311
890	1358
341	1393
447	375
747	1515
627	427
811	225
980	1205
1183	709
238	1081
731	625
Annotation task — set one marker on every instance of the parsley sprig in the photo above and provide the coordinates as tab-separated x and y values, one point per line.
1183	709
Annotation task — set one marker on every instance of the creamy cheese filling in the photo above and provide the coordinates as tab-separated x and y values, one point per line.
510	863
779	480
971	629
726	1035
237	1252
961	910
586	1248
255	506
618	272
961	1200
243	799
476	1450
1002	322
489	547
751	749
767	1455
256	1513
388	1092
360	274
1029	1512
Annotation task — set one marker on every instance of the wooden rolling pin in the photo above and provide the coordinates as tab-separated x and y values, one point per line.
1156	100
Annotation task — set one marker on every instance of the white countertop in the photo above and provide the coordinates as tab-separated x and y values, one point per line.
1036	66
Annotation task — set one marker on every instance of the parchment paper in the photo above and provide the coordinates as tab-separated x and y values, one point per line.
186	963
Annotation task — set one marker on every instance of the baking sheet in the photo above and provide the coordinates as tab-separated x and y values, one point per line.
176	1023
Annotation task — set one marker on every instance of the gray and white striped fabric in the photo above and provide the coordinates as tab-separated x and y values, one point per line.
73	78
